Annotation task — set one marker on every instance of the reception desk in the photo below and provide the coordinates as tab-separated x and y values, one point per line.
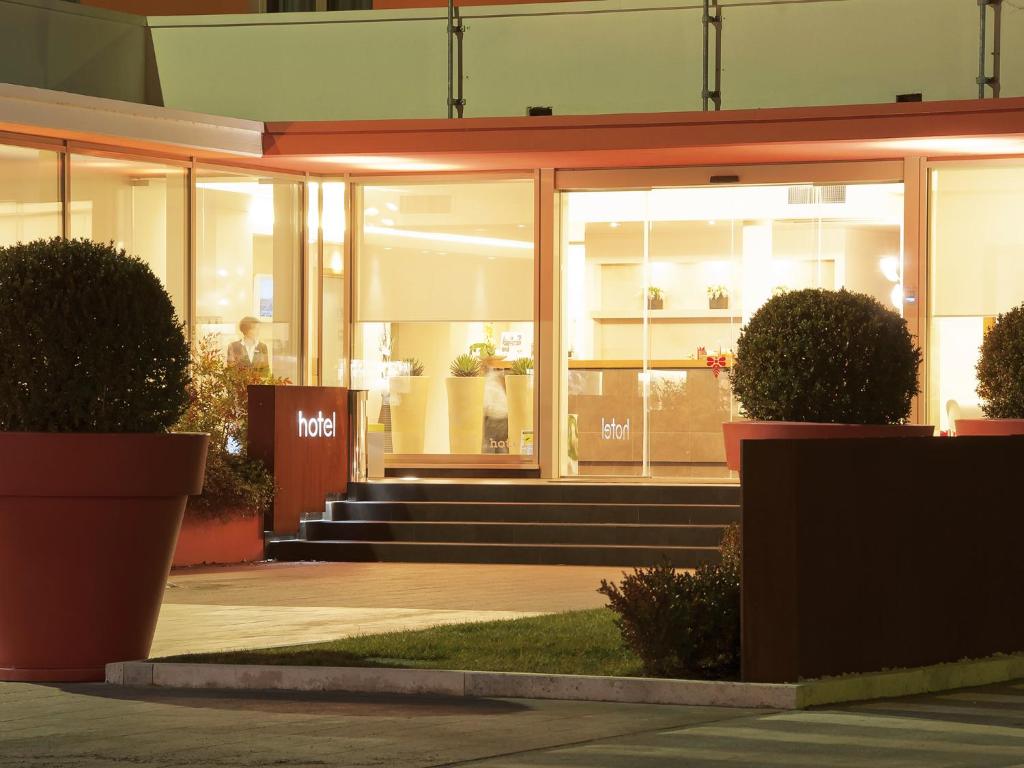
686	404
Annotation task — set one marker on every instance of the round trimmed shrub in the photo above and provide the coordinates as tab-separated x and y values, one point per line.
89	341
826	356
1001	367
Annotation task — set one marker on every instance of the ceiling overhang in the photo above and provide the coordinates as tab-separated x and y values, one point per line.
863	132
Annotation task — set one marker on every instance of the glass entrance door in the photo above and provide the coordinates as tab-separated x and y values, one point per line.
657	284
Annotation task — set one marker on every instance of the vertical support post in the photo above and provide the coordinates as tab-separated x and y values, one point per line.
455	31
707	94
193	247
915	272
548	352
985	80
65	190
451	60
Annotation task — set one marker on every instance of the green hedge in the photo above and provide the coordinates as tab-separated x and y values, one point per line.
1001	367
826	356
89	341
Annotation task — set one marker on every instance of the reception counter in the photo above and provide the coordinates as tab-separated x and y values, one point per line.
686	404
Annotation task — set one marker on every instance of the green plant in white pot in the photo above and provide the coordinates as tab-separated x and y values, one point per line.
409	393
519	394
465	389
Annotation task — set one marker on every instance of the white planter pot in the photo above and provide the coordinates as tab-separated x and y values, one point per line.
519	392
465	413
408	398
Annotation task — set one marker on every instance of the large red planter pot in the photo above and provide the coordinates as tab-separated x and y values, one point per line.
735	431
88	524
232	538
983	427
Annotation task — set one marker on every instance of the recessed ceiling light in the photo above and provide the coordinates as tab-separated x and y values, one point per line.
388	222
391	207
371	212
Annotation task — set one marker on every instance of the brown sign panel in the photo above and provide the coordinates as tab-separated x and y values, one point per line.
301	433
867	554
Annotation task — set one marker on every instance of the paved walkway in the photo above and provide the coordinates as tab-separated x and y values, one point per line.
94	726
216	609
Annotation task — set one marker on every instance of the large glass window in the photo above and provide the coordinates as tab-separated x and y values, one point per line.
140	206
657	285
976	249
30	196
332	280
444	270
248	267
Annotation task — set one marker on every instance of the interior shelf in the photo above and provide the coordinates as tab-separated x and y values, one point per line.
689	315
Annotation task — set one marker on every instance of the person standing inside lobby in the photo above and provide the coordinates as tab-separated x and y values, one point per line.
249	351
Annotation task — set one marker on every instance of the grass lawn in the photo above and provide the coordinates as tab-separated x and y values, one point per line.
574	643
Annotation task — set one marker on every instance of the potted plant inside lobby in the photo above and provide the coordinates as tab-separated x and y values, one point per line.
519	396
815	363
224	524
465	389
408	393
93	372
1000	372
718	297
655	298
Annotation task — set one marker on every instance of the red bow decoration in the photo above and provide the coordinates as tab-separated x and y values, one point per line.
716	364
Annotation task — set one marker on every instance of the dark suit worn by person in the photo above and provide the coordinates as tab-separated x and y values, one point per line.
239	355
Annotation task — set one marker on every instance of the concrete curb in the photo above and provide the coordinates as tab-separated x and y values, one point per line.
511	685
624	690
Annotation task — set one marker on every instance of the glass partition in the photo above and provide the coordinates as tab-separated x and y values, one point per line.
248	260
30	194
657	285
140	206
444	270
976	271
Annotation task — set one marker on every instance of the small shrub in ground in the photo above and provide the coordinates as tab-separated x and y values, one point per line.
89	341
684	625
1001	367
219	404
825	356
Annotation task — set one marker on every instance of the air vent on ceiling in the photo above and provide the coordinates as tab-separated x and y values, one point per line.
425	204
807	194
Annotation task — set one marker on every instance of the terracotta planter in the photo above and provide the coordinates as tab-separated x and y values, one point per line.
235	537
408	397
88	524
735	431
655	303
989	427
465	414
721	302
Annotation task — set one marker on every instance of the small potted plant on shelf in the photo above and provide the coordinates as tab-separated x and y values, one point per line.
408	395
816	363
519	394
718	297
1000	372
94	369
655	298
465	389
224	524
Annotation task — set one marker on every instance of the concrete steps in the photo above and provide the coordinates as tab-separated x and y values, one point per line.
542	523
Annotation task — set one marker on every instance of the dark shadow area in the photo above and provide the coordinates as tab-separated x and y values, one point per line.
301	702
